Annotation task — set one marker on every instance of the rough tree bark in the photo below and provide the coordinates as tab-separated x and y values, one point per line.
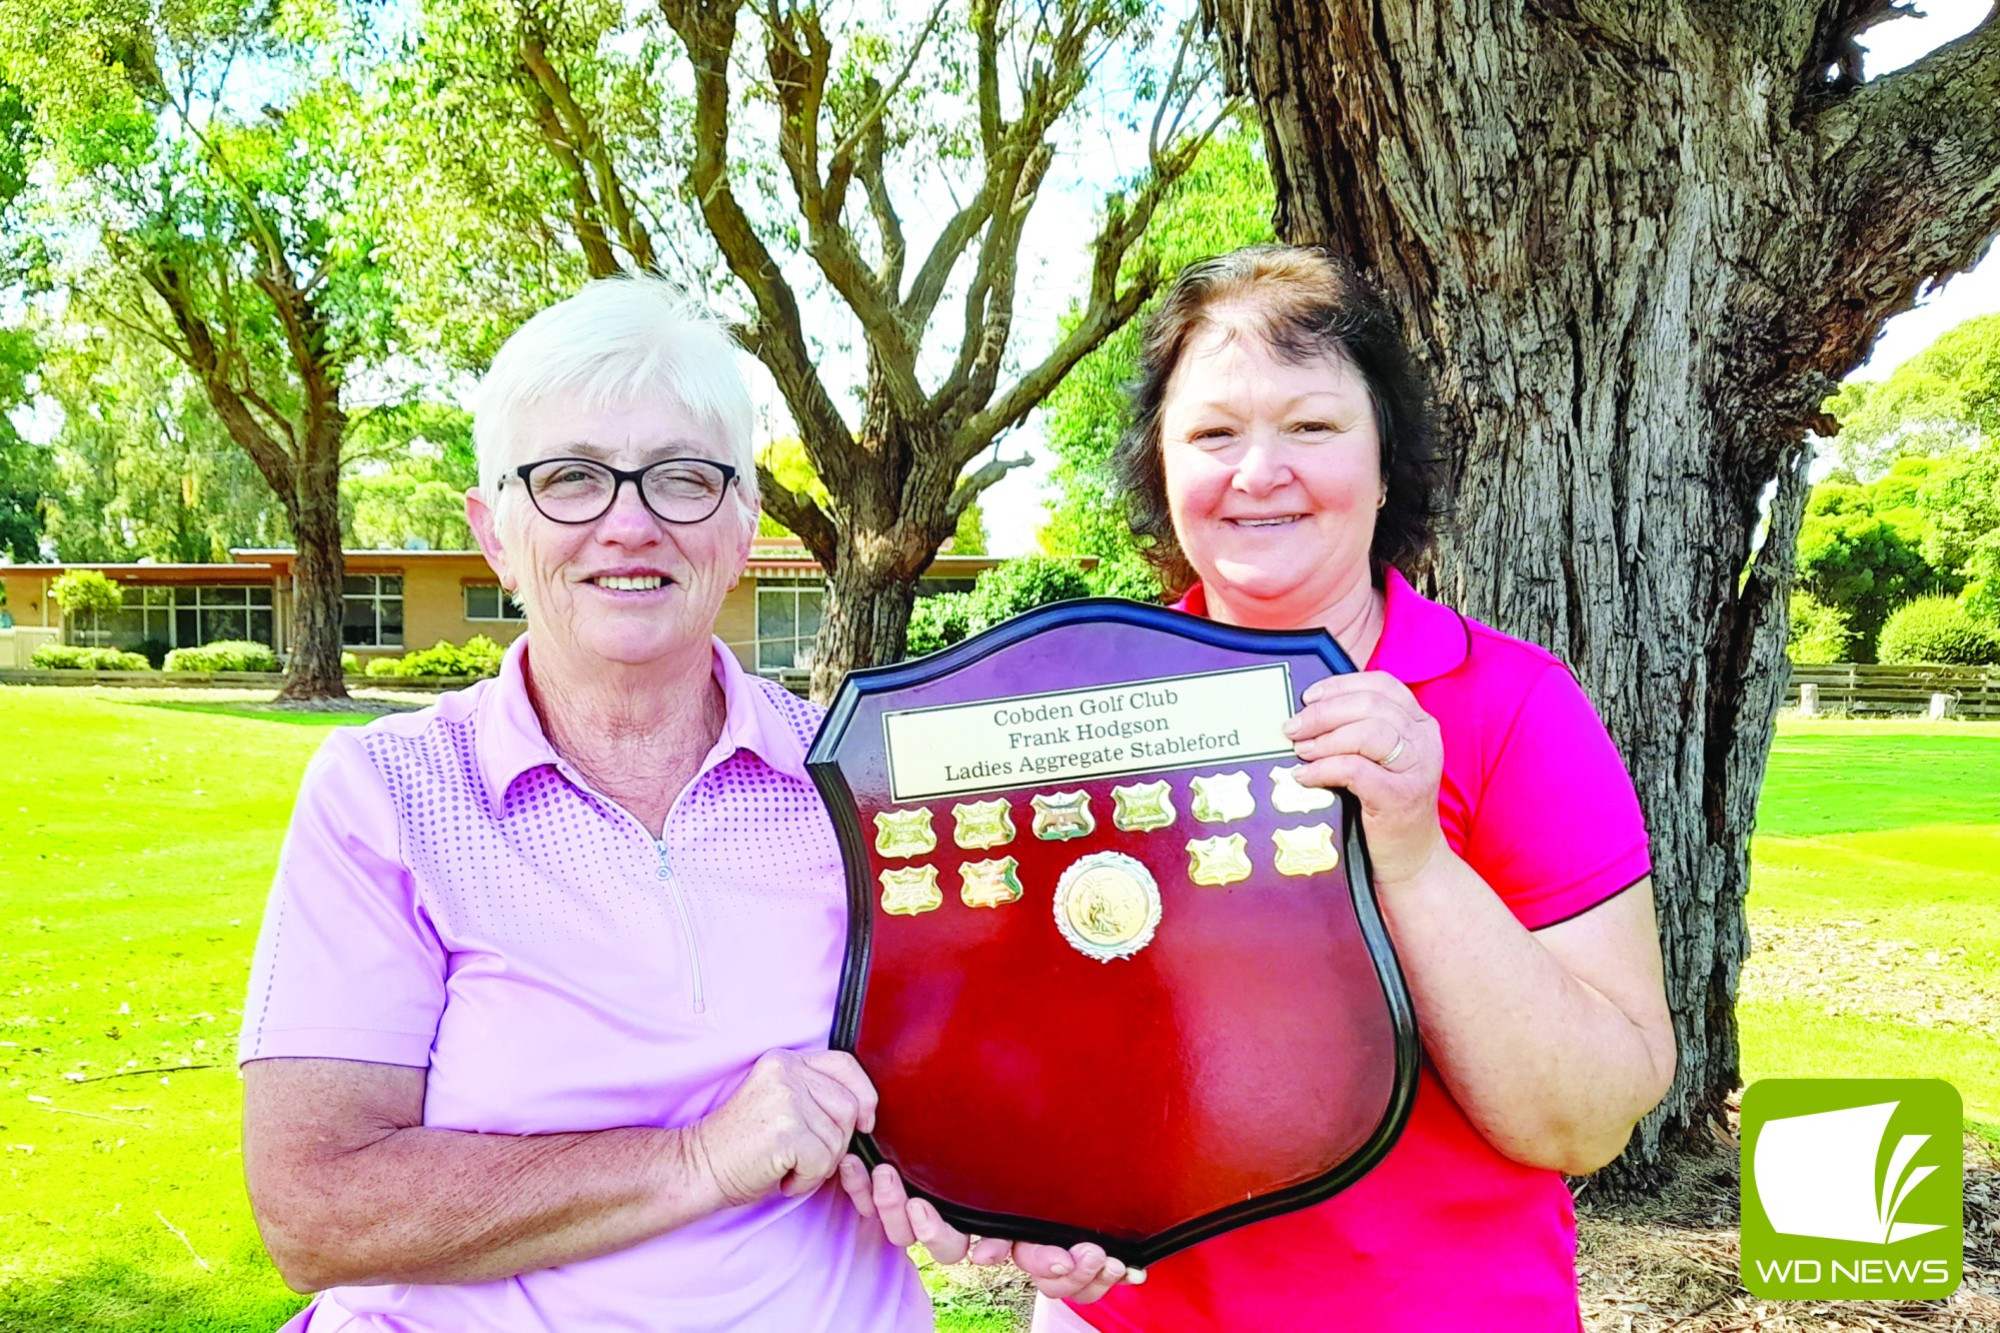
902	477
1639	241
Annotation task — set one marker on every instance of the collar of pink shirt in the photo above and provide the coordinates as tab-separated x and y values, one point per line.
510	740
1421	640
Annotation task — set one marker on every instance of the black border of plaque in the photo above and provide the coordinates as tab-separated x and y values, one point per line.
860	916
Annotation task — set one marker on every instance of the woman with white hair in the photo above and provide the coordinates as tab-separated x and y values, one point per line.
536	1032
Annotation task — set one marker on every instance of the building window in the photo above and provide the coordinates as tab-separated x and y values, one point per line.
374	614
182	617
488	601
788	613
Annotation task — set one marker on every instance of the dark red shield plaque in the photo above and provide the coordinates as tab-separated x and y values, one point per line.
1116	975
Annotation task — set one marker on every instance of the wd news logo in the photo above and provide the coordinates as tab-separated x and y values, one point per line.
1853	1189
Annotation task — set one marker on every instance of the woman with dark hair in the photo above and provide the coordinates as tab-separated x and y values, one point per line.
1280	461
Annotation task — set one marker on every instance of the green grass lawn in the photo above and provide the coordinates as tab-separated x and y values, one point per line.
1875	908
140	838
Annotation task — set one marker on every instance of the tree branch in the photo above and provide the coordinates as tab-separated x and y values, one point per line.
800	515
708	31
1832	64
970	486
935	272
1100	321
599	259
870	120
1107	309
582	141
888	226
1047	91
1910	169
799	57
199	350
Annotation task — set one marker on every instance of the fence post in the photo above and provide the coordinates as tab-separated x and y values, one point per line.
1808	700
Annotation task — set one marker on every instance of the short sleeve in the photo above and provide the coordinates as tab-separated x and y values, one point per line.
348	966
1557	827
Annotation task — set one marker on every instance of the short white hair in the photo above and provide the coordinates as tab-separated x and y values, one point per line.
617	341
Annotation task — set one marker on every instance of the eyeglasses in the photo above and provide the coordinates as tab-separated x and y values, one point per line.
582	490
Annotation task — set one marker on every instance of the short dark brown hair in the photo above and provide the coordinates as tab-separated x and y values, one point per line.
1307	304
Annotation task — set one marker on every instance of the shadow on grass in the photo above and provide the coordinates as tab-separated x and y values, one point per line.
114	1295
307	717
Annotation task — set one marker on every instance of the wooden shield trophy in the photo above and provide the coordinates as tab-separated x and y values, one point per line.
1116	974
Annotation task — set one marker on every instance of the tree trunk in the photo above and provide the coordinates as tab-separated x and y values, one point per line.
1629	240
896	513
318	576
866	615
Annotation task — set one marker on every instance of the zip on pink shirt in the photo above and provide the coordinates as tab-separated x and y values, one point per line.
453	897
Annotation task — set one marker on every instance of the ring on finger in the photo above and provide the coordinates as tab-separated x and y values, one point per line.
1394	751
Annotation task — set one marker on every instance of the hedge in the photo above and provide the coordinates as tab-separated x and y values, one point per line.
1000	593
1937	631
479	657
224	655
74	657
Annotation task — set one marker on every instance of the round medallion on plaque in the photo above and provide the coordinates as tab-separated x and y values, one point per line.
1107	906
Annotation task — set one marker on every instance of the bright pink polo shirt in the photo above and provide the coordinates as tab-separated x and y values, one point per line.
1445	1234
454	897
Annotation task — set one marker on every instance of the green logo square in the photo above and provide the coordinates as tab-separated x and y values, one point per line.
1853	1189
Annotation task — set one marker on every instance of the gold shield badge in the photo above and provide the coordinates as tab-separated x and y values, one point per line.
1222	798
911	891
1062	815
1305	851
1291	797
904	833
1142	807
989	883
978	825
1107	906
1218	861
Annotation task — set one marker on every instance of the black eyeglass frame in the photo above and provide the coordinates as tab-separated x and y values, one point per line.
621	475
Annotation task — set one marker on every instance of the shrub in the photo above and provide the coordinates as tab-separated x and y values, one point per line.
73	657
1820	633
1127	576
83	590
1938	630
224	655
350	665
1001	592
938	622
1022	585
480	656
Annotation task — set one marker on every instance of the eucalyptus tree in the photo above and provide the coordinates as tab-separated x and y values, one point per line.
204	167
848	184
1640	242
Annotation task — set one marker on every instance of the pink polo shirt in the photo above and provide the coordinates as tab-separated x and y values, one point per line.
454	897
1445	1234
